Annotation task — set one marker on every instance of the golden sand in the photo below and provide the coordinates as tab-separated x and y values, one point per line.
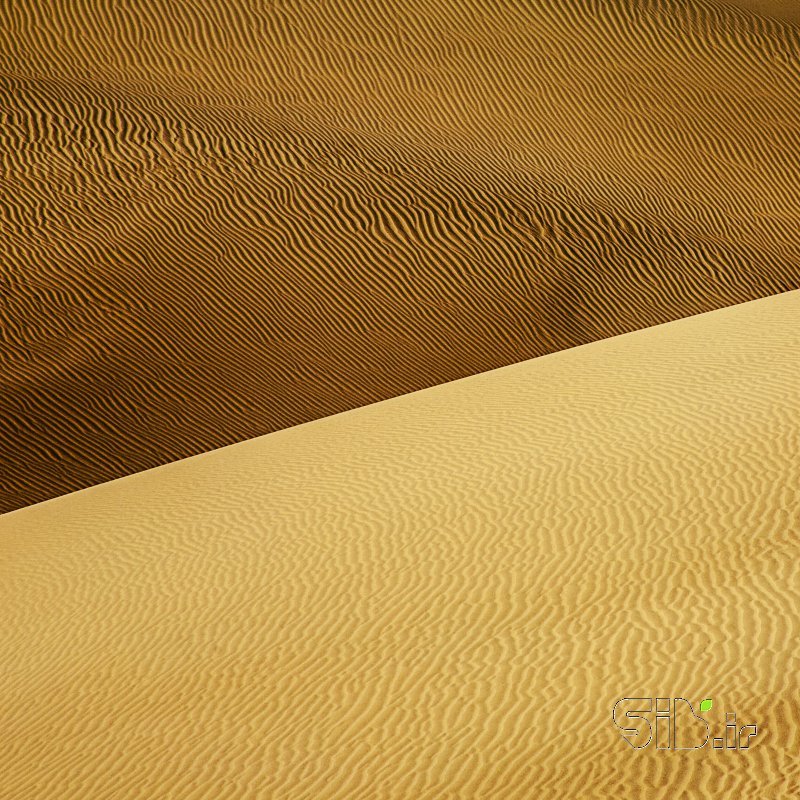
442	595
784	10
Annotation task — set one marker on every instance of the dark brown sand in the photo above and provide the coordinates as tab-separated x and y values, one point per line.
222	219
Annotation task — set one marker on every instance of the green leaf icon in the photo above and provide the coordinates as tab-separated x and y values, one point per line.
705	705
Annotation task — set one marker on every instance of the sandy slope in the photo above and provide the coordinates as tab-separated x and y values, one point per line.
219	218
437	596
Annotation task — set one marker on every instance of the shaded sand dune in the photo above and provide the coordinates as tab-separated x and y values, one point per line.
218	220
442	595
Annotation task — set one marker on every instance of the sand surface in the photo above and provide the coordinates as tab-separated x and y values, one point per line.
785	10
220	219
441	595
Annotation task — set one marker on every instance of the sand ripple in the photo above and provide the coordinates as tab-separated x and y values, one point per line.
222	219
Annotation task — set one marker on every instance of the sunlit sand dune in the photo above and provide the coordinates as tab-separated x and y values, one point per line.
221	218
442	595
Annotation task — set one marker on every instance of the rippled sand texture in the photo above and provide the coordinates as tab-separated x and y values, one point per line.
224	219
786	10
438	596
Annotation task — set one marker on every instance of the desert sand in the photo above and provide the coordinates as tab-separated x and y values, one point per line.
223	218
785	10
442	595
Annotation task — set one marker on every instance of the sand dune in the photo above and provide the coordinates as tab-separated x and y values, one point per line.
222	219
441	595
